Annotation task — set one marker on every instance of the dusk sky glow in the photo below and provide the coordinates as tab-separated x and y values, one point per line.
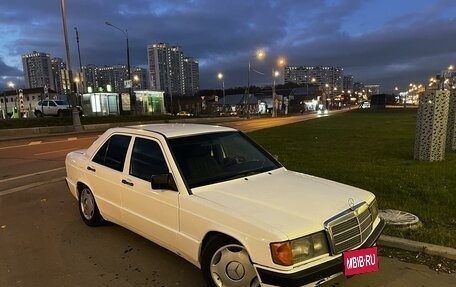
386	42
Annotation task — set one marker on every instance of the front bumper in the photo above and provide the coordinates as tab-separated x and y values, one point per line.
315	273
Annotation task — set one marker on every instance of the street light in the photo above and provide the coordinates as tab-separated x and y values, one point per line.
275	74
81	78
125	32
281	62
259	55
220	77
313	80
5	112
77	80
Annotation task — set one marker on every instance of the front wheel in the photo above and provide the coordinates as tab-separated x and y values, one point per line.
225	262
88	208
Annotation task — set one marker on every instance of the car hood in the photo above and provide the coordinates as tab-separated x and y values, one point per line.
287	201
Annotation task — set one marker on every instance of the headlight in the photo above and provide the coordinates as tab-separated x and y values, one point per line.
293	251
319	112
374	209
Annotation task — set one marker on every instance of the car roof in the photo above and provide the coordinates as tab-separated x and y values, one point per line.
172	130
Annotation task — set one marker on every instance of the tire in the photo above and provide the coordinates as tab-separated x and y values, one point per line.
225	262
88	208
38	114
60	113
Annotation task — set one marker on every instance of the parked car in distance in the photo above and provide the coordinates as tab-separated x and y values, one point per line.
184	113
228	113
57	108
216	198
323	111
365	105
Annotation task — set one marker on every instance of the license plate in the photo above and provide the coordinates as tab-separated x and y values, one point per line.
360	261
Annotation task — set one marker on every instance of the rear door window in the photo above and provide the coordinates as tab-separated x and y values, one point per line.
113	152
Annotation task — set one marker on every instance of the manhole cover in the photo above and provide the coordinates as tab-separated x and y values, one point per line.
399	218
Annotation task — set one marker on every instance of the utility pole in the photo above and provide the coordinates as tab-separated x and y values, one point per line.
76	120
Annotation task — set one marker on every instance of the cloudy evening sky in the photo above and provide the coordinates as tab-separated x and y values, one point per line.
386	42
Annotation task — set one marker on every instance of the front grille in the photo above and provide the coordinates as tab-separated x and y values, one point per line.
349	229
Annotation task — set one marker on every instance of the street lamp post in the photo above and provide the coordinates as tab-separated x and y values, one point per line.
307	85
275	74
76	120
220	77
260	55
125	32
81	78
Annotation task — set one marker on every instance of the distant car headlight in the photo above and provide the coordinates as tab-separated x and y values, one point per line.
290	252
326	112
319	112
373	206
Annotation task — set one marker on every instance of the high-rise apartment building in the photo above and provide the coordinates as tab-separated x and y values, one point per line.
348	84
139	77
112	78
169	70
90	73
38	70
191	76
59	75
331	77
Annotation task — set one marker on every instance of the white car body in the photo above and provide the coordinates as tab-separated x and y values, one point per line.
51	108
255	210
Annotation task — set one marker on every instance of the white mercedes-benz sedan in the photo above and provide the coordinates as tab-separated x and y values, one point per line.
216	198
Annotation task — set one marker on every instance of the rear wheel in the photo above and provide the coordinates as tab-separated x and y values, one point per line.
225	262
88	208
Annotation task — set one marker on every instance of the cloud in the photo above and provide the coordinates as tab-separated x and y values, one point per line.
377	41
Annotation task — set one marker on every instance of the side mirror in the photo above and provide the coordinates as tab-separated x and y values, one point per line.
163	181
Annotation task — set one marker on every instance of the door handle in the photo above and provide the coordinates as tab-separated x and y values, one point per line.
124	181
91	168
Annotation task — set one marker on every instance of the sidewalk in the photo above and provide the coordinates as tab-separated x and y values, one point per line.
415	246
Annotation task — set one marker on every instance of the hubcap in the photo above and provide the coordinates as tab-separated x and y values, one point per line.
87	204
231	267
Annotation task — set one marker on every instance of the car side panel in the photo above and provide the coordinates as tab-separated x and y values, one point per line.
153	213
106	186
198	217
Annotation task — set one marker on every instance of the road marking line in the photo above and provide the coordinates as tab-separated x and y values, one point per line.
31	185
56	151
72	139
42	143
31	174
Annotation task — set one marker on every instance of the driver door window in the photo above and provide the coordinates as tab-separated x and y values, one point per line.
147	159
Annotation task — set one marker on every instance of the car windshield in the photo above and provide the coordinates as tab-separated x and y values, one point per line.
216	157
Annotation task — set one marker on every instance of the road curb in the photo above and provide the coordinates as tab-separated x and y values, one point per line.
416	246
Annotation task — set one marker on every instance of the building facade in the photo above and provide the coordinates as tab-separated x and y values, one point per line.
170	71
38	70
112	78
348	83
139	76
191	76
325	76
60	76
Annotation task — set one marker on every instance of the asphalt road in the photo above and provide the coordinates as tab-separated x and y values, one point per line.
43	241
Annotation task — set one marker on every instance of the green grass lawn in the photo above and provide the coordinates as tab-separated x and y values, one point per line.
373	150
